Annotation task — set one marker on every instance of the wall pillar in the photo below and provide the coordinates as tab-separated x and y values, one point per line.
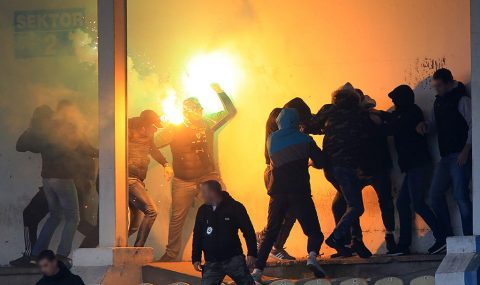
113	262
461	265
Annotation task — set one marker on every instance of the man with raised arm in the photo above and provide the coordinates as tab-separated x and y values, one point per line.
192	144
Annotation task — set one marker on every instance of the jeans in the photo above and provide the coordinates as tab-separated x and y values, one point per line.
62	201
449	174
413	192
382	184
214	272
303	209
143	211
185	197
351	188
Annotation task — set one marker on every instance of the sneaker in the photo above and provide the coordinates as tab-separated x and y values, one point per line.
359	247
257	275
438	247
23	261
390	242
280	254
338	245
400	250
313	265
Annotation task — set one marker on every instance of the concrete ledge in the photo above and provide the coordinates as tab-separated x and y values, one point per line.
116	256
461	265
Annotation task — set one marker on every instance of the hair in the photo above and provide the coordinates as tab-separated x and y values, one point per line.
47	254
443	75
213	185
346	99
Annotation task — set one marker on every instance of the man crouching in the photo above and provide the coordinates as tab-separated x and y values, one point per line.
216	234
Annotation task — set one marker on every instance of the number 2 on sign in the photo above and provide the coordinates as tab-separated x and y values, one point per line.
50	44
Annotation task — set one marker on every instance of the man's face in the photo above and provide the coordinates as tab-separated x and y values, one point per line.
207	194
440	86
193	113
150	130
47	267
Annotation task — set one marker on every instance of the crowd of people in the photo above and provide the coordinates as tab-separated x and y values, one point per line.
355	154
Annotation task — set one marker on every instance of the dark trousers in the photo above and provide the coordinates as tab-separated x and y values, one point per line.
214	272
350	187
285	230
143	211
413	193
383	187
449	174
303	209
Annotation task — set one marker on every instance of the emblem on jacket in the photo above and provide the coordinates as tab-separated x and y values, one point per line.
209	230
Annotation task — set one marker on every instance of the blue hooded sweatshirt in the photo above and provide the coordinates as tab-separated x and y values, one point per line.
289	151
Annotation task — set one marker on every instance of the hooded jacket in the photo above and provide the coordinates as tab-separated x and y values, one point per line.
412	148
63	277
289	151
216	231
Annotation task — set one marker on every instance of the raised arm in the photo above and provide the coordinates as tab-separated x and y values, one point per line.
228	112
29	141
316	155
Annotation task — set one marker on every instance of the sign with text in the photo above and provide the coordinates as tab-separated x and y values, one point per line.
46	32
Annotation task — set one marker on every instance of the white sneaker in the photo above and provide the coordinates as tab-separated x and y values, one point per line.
257	275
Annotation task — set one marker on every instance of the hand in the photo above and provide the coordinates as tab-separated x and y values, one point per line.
216	87
168	170
422	128
464	155
250	260
197	266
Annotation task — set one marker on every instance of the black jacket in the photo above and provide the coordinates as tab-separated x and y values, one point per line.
216	231
412	148
63	277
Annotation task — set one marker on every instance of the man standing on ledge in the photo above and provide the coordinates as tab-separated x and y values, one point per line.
289	188
216	234
451	120
192	145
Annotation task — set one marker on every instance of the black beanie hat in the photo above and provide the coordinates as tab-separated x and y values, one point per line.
302	108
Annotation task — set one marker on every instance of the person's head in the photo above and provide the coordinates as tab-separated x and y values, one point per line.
48	263
41	117
402	96
211	191
304	112
192	110
442	81
288	119
150	121
346	99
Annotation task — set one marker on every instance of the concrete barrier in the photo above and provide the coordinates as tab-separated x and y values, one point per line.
423	280
389	281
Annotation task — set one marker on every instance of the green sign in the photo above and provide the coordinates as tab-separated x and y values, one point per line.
46	32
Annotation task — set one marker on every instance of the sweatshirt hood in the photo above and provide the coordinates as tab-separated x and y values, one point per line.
304	112
402	96
288	119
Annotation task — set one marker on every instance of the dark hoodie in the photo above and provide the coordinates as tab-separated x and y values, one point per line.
216	231
63	277
305	117
412	148
289	151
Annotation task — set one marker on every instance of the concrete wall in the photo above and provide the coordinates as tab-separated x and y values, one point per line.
284	50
